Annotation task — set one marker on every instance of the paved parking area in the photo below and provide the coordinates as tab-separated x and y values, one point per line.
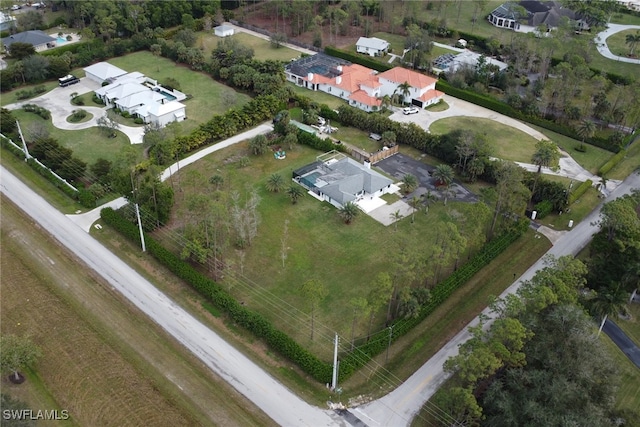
400	165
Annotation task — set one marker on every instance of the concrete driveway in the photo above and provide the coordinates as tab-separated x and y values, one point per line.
601	42
58	102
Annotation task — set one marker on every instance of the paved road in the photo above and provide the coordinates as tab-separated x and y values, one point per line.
273	398
621	339
408	399
601	42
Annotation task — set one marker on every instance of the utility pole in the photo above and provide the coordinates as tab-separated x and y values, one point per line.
386	359
334	379
27	156
144	248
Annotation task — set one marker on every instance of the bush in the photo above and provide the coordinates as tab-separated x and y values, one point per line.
138	121
97	99
77	100
126	114
612	162
78	115
357	59
578	192
543	208
36	109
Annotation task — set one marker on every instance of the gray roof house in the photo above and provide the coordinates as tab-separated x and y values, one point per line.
372	46
39	40
340	180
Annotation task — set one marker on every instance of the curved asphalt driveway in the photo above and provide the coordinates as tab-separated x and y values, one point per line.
601	42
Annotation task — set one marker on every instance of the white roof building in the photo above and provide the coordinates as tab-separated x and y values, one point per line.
103	71
372	46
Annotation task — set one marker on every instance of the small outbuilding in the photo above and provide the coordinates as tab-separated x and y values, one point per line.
224	30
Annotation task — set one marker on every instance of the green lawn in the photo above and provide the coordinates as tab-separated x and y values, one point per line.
591	160
631	327
209	96
630	163
617	42
87	144
345	258
262	49
628	396
11	97
440	106
576	212
319	97
509	143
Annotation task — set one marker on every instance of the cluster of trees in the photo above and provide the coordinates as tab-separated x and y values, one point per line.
522	370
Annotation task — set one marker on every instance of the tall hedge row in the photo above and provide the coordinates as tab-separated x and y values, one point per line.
253	322
578	192
612	162
363	60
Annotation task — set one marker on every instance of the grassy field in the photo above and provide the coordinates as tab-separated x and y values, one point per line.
509	143
617	42
415	348
209	96
87	144
344	258
628	396
102	360
262	49
631	327
591	160
320	97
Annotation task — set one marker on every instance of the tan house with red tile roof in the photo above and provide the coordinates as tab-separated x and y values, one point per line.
360	86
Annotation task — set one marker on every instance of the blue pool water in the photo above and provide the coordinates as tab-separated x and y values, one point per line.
167	95
60	40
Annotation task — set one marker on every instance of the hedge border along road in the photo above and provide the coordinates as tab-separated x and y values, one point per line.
278	340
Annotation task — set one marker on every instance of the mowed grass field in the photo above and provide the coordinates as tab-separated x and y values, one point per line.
509	143
344	258
617	43
262	49
209	96
86	144
104	361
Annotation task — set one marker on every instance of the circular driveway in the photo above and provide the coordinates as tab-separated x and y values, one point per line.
58	102
601	42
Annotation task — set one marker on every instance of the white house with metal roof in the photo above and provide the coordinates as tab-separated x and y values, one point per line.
224	30
372	46
101	72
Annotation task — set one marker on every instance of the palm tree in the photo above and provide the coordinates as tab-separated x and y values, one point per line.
217	181
428	198
443	174
405	91
275	183
586	130
395	217
611	301
410	183
632	40
386	101
414	202
348	212
547	155
294	192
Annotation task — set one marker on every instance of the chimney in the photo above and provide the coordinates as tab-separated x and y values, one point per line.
340	68
338	79
310	77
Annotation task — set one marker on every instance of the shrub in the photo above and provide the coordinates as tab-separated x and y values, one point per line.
78	115
578	192
36	109
77	100
126	114
543	208
138	121
97	99
612	162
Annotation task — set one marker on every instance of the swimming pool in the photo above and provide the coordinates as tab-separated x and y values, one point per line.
167	95
60	40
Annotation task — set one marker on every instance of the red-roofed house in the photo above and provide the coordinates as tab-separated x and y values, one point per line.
423	88
360	86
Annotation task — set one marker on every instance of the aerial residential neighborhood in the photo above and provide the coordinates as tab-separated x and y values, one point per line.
328	213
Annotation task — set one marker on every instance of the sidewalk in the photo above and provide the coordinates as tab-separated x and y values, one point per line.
601	42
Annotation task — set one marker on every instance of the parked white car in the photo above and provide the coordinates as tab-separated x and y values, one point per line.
16	7
410	110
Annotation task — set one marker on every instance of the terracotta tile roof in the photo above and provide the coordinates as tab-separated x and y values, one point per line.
400	75
430	94
362	97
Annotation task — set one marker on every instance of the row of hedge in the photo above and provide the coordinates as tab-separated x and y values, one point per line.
502	108
612	162
365	61
578	192
214	293
318	143
41	170
439	294
278	340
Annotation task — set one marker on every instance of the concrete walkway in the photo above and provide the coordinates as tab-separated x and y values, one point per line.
85	220
601	42
58	102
